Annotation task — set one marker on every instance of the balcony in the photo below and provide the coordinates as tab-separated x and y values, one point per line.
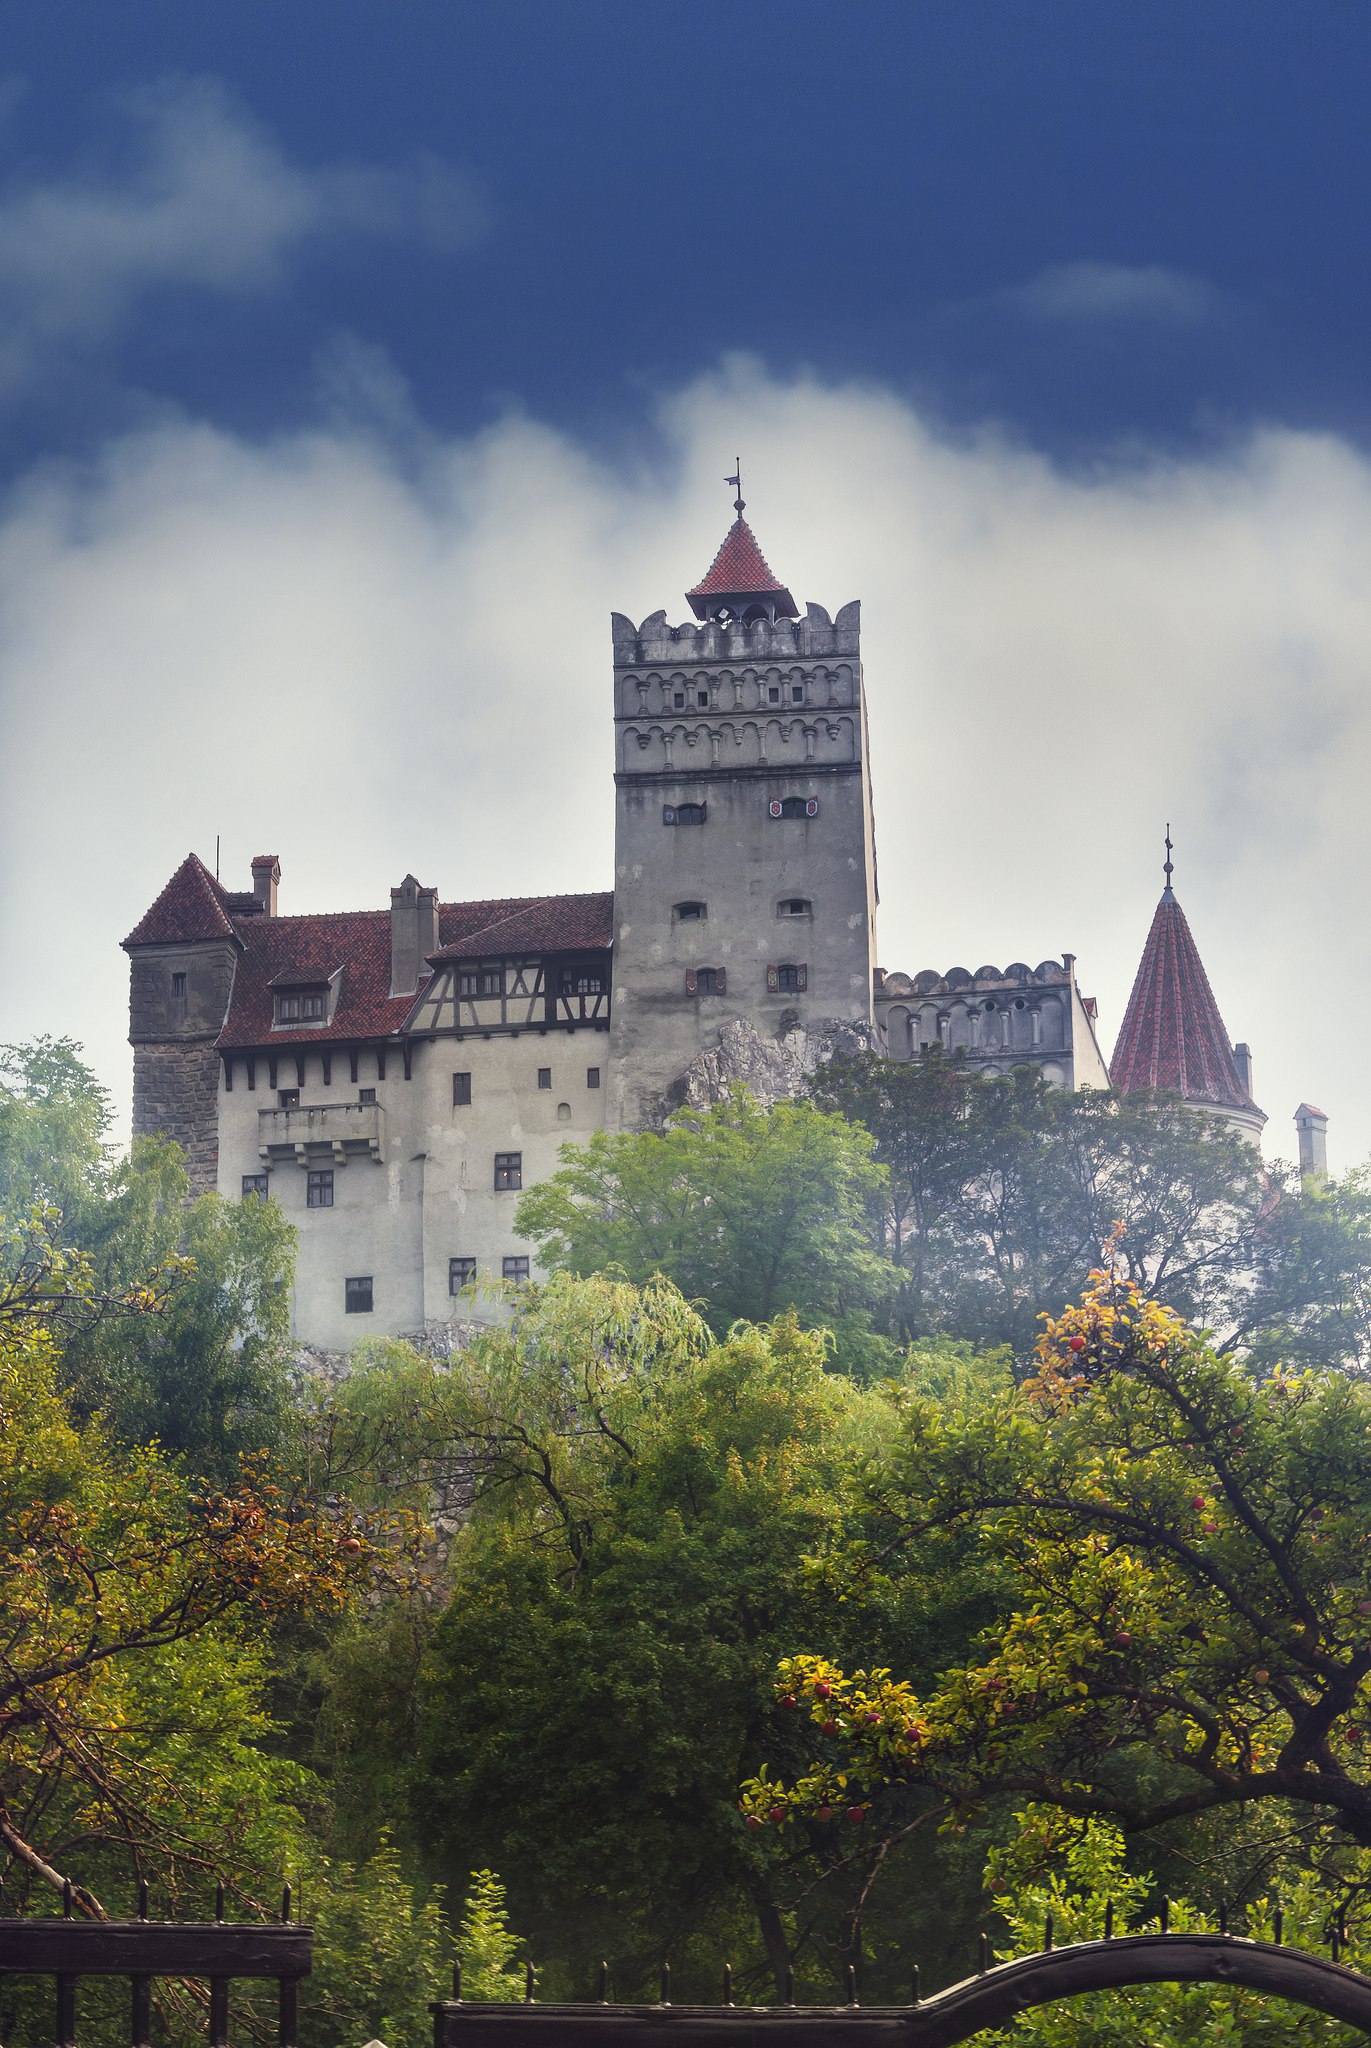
340	1130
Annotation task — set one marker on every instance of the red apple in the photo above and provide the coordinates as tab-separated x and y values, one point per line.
754	1820
822	1689
828	1728
1078	1343
787	1699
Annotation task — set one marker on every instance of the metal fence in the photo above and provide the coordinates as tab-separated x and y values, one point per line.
216	1951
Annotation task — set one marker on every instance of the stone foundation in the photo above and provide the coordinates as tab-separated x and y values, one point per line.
176	1095
774	1069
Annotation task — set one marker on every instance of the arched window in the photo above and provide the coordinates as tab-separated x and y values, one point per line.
689	913
683	814
794	807
795	906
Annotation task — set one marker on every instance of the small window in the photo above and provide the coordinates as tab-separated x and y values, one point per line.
515	1270
461	1090
689	913
706	981
592	1077
564	1112
794	906
319	1192
178	987
773	694
702	699
509	1170
309	1006
289	1098
794	807
481	981
366	1094
582	981
357	1296
255	1184
797	693
544	1077
678	700
683	814
461	1272
788	980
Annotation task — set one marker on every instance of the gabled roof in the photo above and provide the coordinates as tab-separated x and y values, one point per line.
192	906
545	924
283	952
740	570
1172	1037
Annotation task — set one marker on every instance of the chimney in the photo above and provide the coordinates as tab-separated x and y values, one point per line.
1242	1060
1312	1126
413	934
266	874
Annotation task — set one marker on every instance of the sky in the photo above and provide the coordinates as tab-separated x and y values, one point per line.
356	360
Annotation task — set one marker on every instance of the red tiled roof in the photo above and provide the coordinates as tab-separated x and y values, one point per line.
1172	1036
740	569
192	906
289	950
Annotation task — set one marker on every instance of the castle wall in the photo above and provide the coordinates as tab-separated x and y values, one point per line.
175	1066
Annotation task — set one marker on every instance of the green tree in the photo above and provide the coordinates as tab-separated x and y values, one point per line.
749	1211
383	1955
486	1946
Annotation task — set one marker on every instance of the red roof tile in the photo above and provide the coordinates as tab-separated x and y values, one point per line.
288	950
192	906
740	569
1172	1036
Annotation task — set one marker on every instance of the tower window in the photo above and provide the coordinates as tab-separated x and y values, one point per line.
702	699
461	1272
544	1077
794	906
509	1171
797	693
564	1112
773	694
178	987
255	1184
689	913
319	1189
461	1090
787	980
706	981
582	981
592	1077
683	814
365	1095
793	807
357	1296
678	701
515	1270
289	1098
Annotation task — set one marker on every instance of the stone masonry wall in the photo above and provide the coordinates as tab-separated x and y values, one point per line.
176	1095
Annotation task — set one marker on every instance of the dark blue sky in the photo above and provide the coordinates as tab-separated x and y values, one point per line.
864	189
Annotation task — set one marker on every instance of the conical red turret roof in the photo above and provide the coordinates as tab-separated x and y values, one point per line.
740	570
1172	1036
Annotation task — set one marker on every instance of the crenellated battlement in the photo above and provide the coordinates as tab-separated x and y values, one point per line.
816	634
960	981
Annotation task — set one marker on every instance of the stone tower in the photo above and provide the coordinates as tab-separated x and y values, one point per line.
744	859
1172	1038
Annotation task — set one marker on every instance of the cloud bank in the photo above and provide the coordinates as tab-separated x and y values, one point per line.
373	649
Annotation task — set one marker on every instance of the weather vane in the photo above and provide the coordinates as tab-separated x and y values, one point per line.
1167	863
737	482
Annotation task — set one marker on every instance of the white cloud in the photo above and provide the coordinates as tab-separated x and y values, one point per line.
1086	291
205	198
373	662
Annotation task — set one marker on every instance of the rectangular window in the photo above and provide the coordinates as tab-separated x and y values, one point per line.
461	1273
592	1077
787	980
797	693
582	981
702	699
683	814
289	1098
366	1094
309	1007
514	1270
357	1296
544	1077
255	1184
319	1190
509	1170
178	987
481	981
461	1090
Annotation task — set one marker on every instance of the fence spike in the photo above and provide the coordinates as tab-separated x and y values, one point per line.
1278	1926
142	1898
1109	1919
457	1981
790	1983
285	1903
850	1977
728	1983
1223	1916
604	1983
1047	1935
66	1898
665	1998
1333	1944
914	1985
1166	1915
528	1983
985	1954
219	1902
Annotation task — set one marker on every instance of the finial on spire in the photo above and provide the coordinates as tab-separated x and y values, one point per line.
1167	863
737	482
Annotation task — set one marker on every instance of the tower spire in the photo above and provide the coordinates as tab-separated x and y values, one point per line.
1167	863
740	585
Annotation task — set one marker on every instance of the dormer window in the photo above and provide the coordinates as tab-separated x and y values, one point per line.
481	981
302	1006
689	913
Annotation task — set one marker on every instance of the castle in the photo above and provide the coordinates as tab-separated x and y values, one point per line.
394	1078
